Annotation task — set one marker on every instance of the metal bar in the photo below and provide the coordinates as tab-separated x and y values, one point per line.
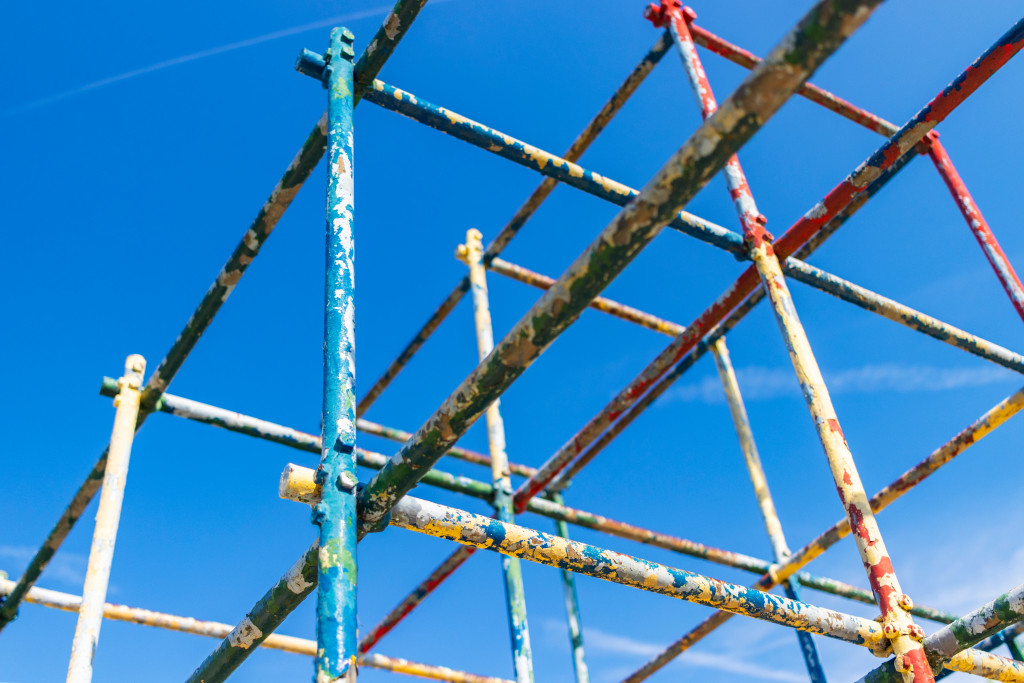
965	632
560	169
902	314
529	207
819	218
335	513
299	484
261	429
621	311
978	225
769	515
572	608
369	65
108	516
967	437
172	622
472	253
987	665
490	534
898	623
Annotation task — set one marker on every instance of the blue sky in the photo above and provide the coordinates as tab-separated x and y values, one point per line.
140	149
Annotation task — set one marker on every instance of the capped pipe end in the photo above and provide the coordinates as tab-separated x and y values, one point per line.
298	483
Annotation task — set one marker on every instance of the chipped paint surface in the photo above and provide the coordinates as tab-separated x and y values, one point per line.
108	517
472	254
491	534
335	513
572	608
978	225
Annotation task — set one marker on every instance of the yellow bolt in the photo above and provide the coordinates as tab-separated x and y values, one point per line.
905	602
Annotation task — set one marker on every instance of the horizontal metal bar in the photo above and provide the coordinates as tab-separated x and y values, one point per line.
270	431
172	622
902	314
522	215
525	154
554	551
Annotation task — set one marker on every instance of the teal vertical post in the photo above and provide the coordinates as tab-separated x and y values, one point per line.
572	608
336	512
472	254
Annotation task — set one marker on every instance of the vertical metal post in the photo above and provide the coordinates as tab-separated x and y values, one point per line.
904	636
471	253
572	607
770	516
94	593
977	223
337	648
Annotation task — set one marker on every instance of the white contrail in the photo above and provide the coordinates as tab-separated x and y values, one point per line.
203	54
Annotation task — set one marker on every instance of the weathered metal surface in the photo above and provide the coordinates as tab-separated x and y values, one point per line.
369	65
978	225
987	665
515	224
335	513
108	516
968	630
472	254
959	443
491	534
301	646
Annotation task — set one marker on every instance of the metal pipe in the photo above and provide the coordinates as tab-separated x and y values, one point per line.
135	615
902	314
463	128
965	632
510	539
973	433
298	484
572	608
286	436
471	253
529	207
987	665
369	65
335	513
978	225
108	516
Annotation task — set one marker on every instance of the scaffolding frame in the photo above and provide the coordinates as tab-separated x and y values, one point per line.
345	510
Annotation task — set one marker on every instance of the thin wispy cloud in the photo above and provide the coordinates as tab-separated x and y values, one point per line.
760	383
202	54
66	567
